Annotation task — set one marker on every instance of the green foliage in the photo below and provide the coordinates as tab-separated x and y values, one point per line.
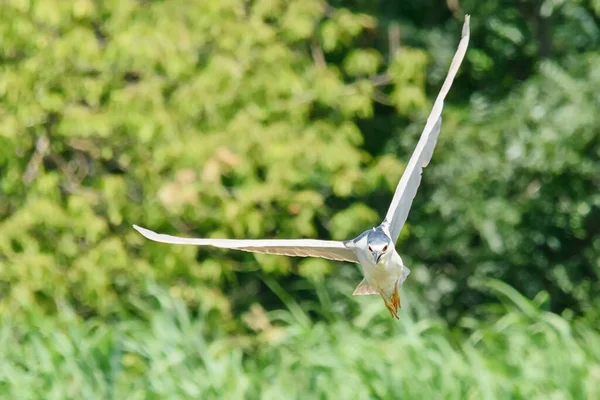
155	114
525	354
528	211
291	119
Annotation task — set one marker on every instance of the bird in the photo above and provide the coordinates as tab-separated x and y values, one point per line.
374	249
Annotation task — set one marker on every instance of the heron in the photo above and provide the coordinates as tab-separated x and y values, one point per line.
374	249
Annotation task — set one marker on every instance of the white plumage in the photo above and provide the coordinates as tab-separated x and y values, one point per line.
329	249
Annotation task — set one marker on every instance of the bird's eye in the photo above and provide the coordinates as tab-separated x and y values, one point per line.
385	248
370	249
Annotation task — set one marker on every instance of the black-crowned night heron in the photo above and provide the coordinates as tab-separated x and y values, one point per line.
374	249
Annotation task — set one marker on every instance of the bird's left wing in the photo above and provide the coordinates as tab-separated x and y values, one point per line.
330	249
411	179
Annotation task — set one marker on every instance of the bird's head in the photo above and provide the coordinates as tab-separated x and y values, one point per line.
379	245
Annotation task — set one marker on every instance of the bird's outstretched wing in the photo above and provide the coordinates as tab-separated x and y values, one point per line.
329	249
411	179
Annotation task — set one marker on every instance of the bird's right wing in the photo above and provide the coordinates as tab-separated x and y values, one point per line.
330	249
411	178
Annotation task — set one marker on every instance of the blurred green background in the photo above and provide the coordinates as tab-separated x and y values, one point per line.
290	119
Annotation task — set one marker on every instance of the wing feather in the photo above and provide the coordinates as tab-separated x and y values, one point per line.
411	178
329	249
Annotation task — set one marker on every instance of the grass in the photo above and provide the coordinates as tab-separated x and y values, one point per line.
517	352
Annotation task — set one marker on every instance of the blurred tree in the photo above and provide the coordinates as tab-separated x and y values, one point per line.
272	118
163	112
515	193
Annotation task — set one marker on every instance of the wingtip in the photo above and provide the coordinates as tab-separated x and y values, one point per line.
466	25
143	231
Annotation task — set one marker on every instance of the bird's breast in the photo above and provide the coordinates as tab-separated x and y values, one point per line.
384	275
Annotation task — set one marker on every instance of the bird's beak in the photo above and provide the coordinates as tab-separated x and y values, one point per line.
376	257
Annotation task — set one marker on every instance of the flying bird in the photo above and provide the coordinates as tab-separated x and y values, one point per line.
374	249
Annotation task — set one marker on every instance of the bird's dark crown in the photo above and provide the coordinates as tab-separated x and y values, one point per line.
377	236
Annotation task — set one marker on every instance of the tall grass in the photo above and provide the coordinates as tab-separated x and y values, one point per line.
519	352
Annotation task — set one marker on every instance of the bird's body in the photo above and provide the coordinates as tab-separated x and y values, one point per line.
374	249
385	275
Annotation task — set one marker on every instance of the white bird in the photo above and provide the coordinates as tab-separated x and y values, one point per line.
374	249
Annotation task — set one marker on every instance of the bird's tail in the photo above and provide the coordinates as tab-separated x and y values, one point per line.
364	289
